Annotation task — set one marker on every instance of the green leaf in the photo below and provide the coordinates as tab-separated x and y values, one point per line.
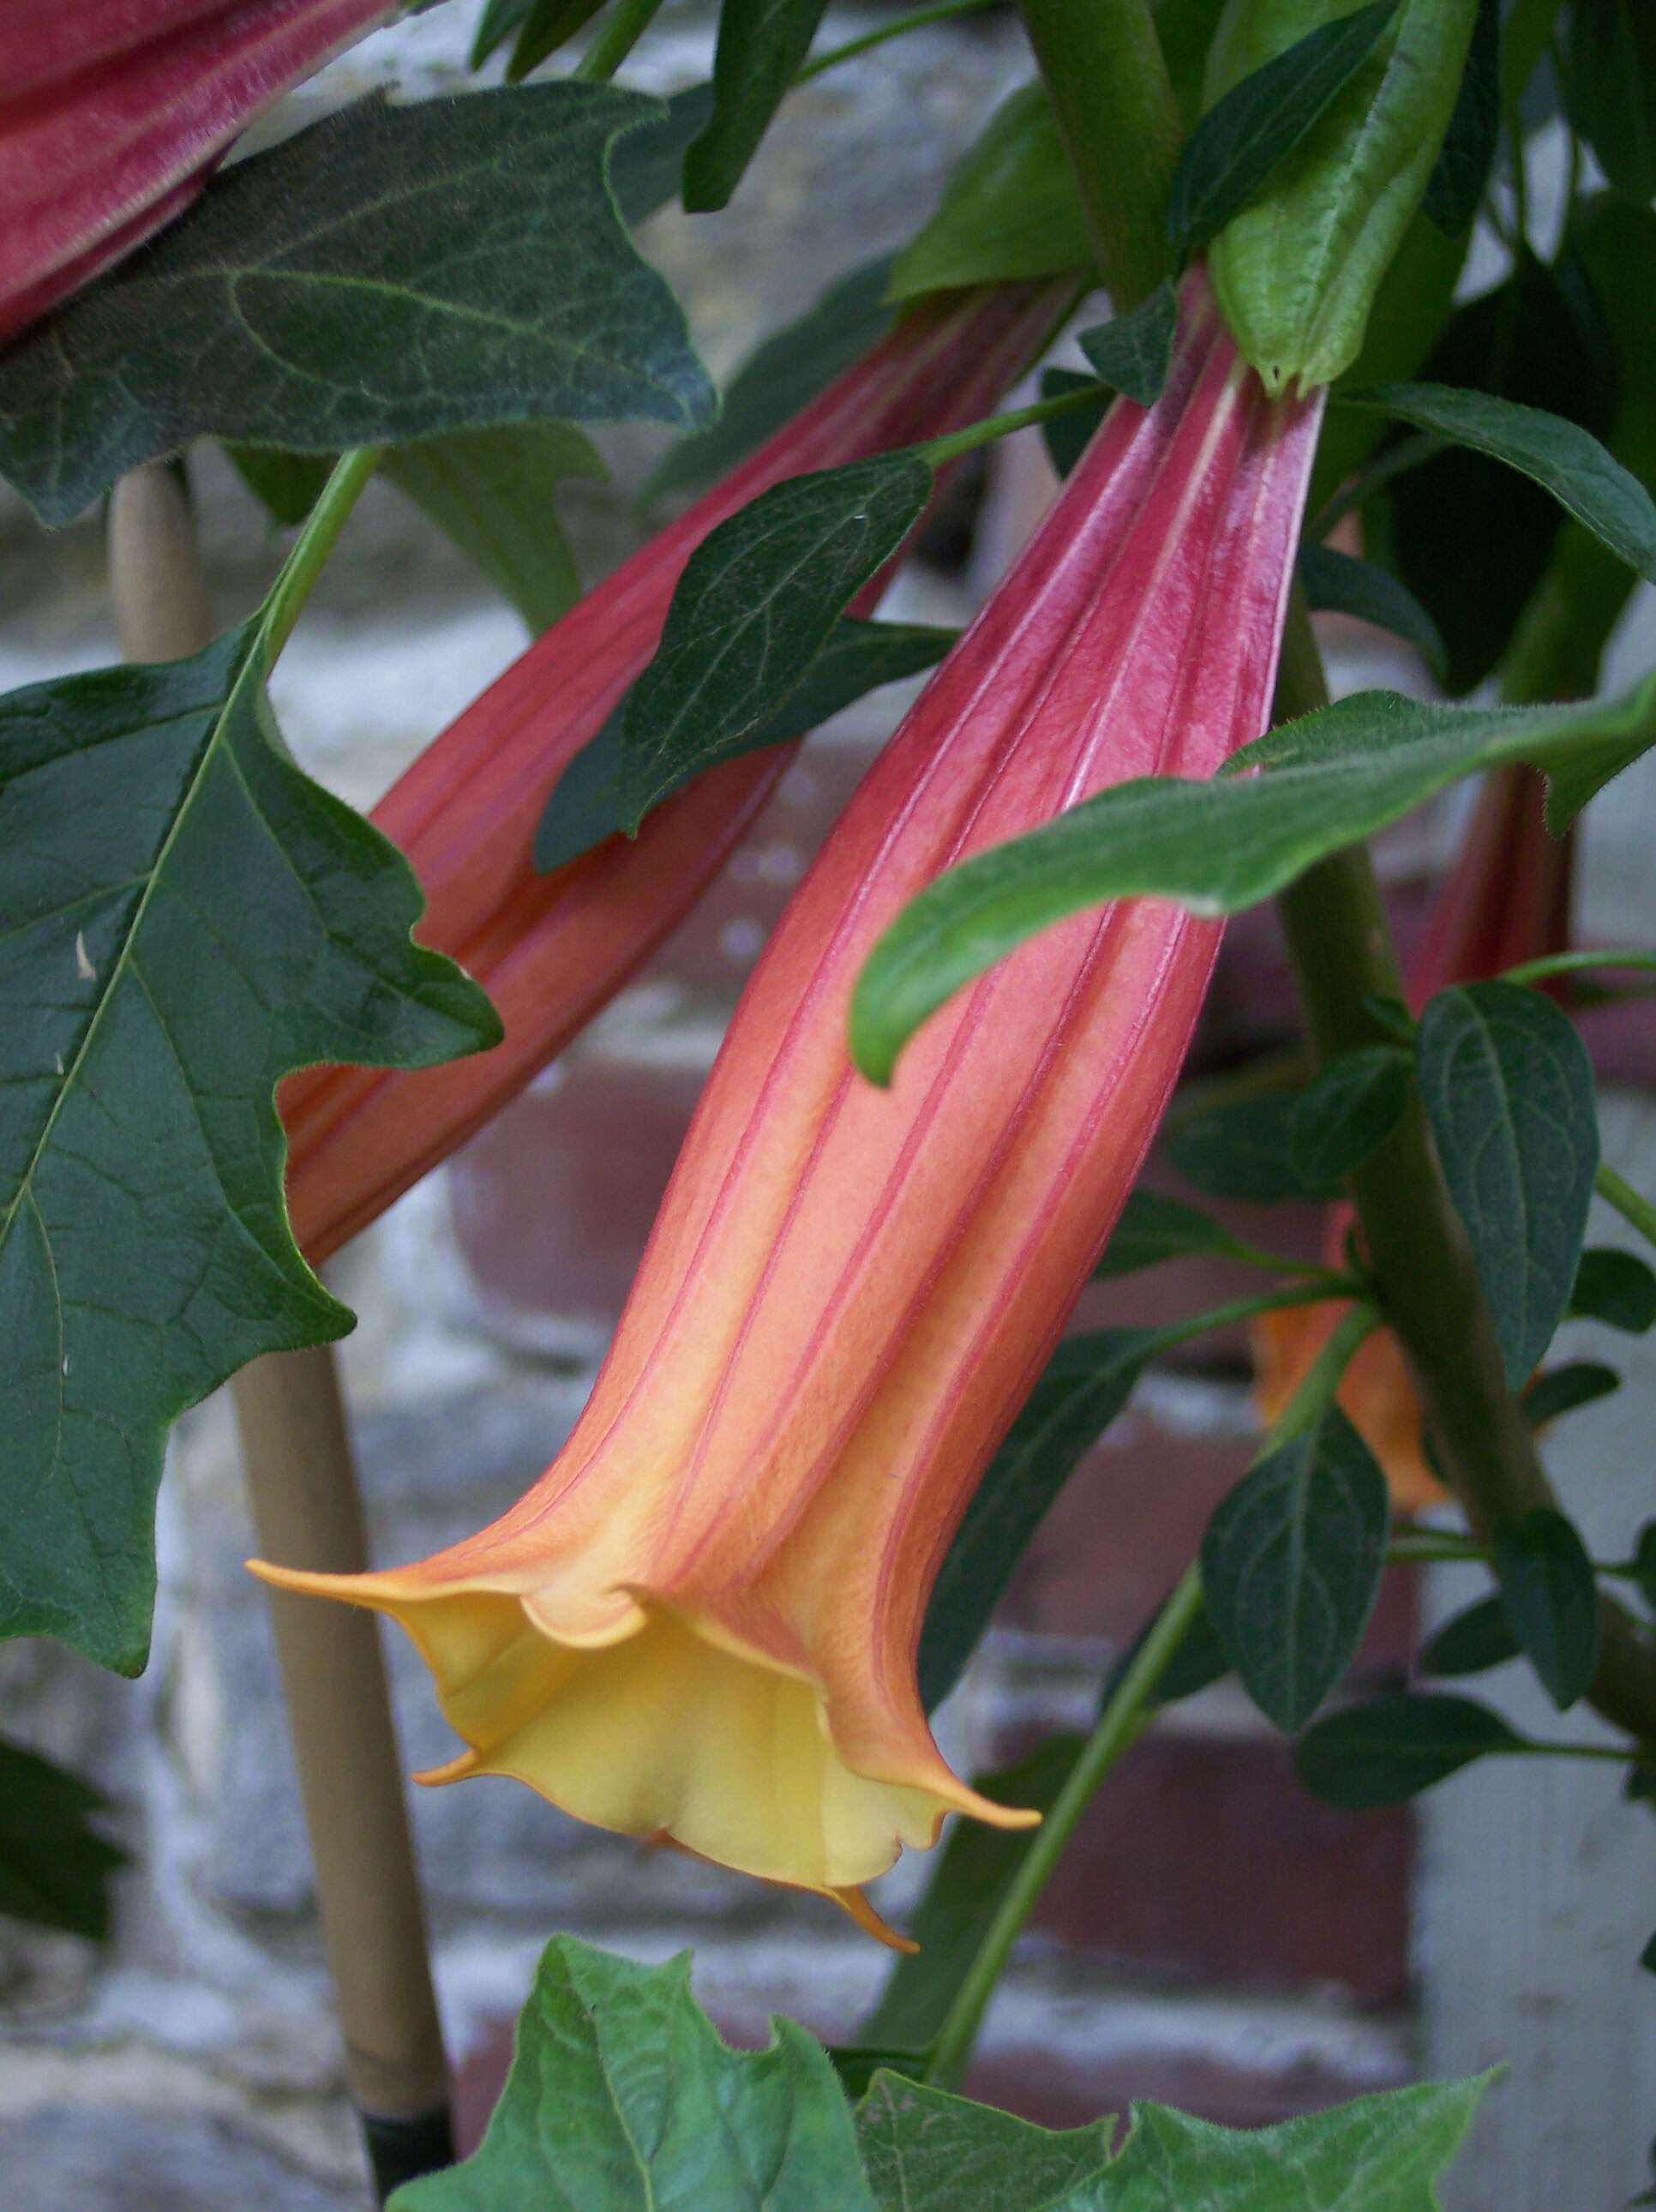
1353	1106
1644	1557
1562	458
1455	189
646	165
1298	275
762	44
1199	1660
1472	1641
585	807
1010	211
1471	536
1133	353
779	378
1233	150
390	273
970	1876
1335	777
1507	1087
1550	1597
1615	1287
1610	89
546	25
1648	1956
1153	1227
1066	437
1245	1149
758	602
1084	1385
621	2097
186	918
491	492
1338	583
1291	1567
55	1868
1394	1746
1560	1390
926	2151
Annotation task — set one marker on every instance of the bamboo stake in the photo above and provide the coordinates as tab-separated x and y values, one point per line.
307	1512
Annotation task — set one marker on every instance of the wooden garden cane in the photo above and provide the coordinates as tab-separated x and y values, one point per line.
308	1512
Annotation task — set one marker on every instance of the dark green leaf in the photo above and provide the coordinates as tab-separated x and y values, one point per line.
856	2063
388	274
1153	1227
585	807
1560	1390
1615	1287
55	1868
1244	1149
1200	1660
287	485
1456	187
1011	212
1471	536
1066	437
1291	1567
546	26
499	22
758	602
1337	583
788	370
925	2151
1507	1087
1564	458
929	2152
184	918
1239	142
1353	1106
1087	1381
646	165
1393	1017
1394	1746
1133	352
623	2096
1184	29
1549	1595
1471	1641
1336	777
1648	1956
1612	90
969	1877
1644	1556
762	44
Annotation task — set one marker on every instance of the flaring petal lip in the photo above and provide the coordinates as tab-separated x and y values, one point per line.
553	950
113	119
702	1621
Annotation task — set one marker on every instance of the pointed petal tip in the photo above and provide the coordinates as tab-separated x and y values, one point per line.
456	1769
853	1902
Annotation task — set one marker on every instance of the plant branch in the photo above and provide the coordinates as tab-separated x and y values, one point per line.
1341	946
1104	67
1632	1204
316	539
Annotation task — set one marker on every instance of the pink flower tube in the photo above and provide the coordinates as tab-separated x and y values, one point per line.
552	951
113	114
700	1624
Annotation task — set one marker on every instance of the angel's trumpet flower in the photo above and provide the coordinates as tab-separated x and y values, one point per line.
552	951
113	114
1505	900
701	1622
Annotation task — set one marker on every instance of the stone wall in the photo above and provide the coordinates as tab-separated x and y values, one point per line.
1216	1937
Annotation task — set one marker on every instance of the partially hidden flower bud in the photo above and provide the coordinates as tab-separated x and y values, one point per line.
701	1623
1505	900
114	115
552	951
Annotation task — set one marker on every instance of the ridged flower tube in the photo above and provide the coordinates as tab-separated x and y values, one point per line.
1505	900
113	114
701	1623
552	951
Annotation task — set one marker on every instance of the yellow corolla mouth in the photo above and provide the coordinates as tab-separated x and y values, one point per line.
666	1729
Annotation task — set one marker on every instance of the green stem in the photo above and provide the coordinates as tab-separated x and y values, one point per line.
900	28
1107	76
614	40
1343	956
322	525
1444	1550
1322	1378
1630	1204
1571	963
1118	1730
938	451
